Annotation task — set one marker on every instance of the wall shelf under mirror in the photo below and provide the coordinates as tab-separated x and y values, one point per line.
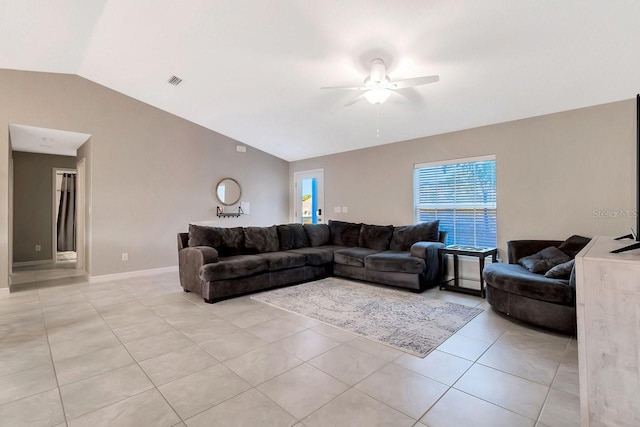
220	213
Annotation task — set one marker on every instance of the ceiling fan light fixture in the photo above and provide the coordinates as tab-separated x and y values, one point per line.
377	96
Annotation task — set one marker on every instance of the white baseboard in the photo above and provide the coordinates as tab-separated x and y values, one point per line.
4	292
130	274
30	263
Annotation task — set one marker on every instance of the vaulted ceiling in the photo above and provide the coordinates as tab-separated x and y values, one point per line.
252	70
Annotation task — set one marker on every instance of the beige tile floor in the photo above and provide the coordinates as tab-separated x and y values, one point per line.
141	352
65	267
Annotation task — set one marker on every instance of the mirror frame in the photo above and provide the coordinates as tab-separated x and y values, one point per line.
239	191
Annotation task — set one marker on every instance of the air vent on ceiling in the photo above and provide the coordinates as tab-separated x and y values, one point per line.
175	80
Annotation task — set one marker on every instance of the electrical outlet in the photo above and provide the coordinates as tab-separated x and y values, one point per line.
345	209
125	256
38	248
337	209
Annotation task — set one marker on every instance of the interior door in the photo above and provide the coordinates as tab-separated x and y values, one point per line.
309	197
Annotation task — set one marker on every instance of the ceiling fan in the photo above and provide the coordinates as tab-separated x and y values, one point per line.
378	87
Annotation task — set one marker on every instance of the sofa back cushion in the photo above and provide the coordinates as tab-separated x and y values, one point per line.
404	237
259	240
318	234
227	241
375	236
345	233
292	236
573	245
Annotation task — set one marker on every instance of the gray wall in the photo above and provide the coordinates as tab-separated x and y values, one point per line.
557	175
32	204
151	173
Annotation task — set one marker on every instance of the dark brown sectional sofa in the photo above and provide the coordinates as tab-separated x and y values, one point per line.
219	263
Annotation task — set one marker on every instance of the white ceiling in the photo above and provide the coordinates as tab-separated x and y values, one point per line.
46	141
252	69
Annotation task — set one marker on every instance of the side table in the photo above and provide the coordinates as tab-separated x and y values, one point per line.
473	251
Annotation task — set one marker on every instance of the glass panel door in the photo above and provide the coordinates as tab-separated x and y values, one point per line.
309	197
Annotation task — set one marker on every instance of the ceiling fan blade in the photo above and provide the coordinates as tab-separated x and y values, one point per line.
357	99
416	81
345	87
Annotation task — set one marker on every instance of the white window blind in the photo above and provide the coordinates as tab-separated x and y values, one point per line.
462	195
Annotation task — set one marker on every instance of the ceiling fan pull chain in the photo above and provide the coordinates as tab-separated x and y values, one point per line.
378	120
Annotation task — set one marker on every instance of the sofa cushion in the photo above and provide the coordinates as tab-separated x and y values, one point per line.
375	236
292	236
544	260
561	271
516	279
395	261
315	256
404	237
352	256
227	241
573	245
318	234
345	233
283	260
233	267
258	240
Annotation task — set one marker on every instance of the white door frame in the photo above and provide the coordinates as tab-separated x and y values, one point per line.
54	226
297	197
81	194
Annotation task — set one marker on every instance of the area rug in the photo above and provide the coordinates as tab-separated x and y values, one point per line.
410	322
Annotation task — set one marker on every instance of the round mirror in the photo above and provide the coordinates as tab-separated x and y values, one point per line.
228	191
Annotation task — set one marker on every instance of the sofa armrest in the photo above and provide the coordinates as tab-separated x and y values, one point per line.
517	249
426	250
429	252
190	260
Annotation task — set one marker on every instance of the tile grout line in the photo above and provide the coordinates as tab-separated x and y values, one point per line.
53	365
135	362
546	398
461	375
138	363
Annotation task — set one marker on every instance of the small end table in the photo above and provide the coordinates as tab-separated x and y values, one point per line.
473	251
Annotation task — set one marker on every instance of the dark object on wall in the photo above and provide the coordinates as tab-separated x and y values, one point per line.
635	234
66	224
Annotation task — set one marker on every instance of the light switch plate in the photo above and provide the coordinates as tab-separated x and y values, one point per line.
345	209
337	209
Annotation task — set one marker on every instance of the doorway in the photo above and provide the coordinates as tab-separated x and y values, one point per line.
309	197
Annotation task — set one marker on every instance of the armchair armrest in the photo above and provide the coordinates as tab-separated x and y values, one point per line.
189	262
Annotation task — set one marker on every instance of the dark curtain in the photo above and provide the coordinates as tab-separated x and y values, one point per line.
67	214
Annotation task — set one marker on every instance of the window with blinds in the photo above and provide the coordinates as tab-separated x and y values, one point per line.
462	195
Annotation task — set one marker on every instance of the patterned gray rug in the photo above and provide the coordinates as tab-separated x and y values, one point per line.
410	322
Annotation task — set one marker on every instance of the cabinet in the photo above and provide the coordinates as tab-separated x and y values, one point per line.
608	310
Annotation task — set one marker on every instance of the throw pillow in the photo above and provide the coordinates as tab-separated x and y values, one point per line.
544	260
561	271
345	233
292	236
258	240
227	241
404	237
318	234
573	245
375	236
